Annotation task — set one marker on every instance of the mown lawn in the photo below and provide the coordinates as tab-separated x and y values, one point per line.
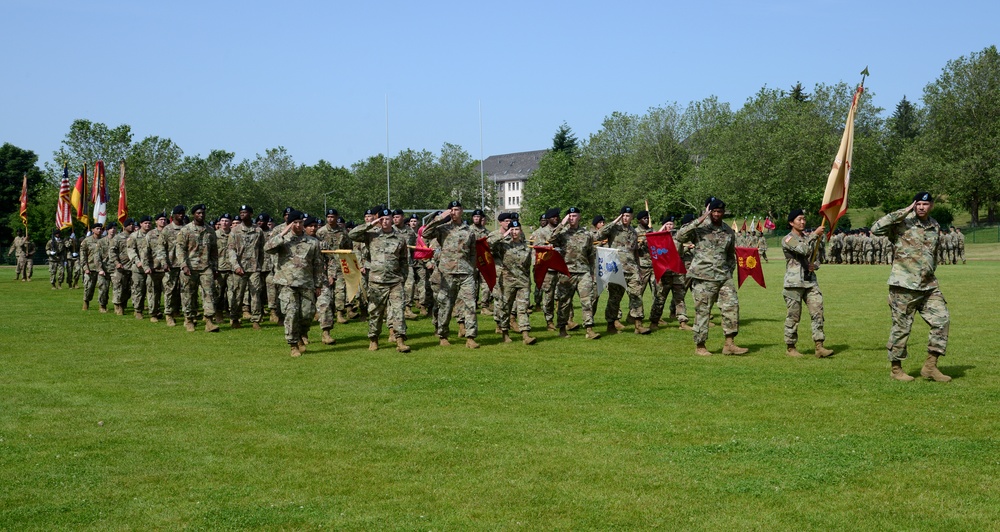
111	423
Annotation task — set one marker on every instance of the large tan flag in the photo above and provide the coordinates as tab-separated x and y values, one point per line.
835	197
351	270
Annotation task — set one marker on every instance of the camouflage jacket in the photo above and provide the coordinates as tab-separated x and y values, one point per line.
119	250
333	238
267	263
515	260
714	250
139	252
798	251
916	244
166	248
55	249
90	254
458	246
388	257
222	245
153	237
626	241
297	260
197	247
577	248
19	247
107	256
246	248
642	248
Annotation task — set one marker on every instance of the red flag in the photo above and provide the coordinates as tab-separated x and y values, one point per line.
23	211
79	198
547	258
63	214
760	226
122	197
99	194
748	262
835	196
422	252
664	253
744	227
769	225
485	264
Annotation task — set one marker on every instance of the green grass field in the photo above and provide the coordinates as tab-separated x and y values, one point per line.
112	423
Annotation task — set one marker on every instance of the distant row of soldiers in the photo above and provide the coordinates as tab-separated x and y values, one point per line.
859	246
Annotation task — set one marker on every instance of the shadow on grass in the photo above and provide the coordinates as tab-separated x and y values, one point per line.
955	372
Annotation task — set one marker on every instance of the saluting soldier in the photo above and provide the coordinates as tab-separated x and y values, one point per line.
331	237
579	255
622	236
388	268
541	237
515	277
457	271
298	274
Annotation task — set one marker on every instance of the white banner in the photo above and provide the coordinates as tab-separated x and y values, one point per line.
609	269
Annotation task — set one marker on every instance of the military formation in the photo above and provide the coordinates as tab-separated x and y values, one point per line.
239	269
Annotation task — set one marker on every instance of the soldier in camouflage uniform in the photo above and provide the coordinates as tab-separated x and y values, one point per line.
541	237
121	279
959	245
20	250
401	223
246	256
331	237
456	266
154	282
388	268
484	299
140	256
503	224
104	246
224	276
273	301
801	285
55	249
913	286
72	256
580	255
197	253
711	276
298	274
514	256
93	267
622	236
416	282
166	254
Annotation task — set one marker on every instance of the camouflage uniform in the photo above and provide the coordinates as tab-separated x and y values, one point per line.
298	271
223	277
388	269
246	252
121	279
93	265
419	280
515	276
959	246
197	249
154	282
20	250
801	285
625	240
484	299
457	271
711	275
331	238
55	249
541	237
580	255
913	287
141	262
108	260
72	256
166	251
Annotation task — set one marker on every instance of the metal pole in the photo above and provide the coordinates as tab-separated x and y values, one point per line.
482	161
388	203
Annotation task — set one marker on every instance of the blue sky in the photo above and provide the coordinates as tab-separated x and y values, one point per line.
314	77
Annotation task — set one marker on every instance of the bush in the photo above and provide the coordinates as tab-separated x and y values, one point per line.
943	215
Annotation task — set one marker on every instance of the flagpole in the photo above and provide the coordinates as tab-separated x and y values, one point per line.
388	203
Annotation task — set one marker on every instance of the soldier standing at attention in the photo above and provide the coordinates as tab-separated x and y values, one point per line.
331	237
167	255
72	256
711	276
484	299
580	255
55	249
20	250
298	274
515	259
154	284
246	256
224	276
104	281
93	267
389	267
456	266
541	237
913	287
197	253
122	278
801	285
141	259
622	236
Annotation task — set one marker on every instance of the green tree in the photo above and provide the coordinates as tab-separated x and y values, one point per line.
565	141
14	164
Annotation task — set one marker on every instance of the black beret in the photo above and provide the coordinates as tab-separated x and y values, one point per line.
573	210
398	212
626	209
597	219
455	203
145	218
161	215
340	219
437	213
294	215
413	217
384	212
795	214
514	216
687	218
923	196
332	212
709	200
552	213
111	225
226	216
503	216
179	209
351	224
310	220
478	212
98	225
515	223
198	207
716	204
642	214
288	210
246	208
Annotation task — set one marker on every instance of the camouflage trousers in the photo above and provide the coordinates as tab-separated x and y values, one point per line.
92	281
549	295
199	282
485	298
932	308
326	306
222	281
454	288
813	298
25	267
569	286
385	304
299	305
659	296
57	272
154	294
616	292
673	284
172	301
418	287
497	299
513	299
138	291
706	294
246	286
273	301
121	284
72	273
959	255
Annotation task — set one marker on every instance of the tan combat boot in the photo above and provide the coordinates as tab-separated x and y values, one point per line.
592	334
327	339
235	324
732	349
301	345
373	344
256	326
701	351
822	351
618	325
513	325
392	335
685	327
210	325
138	315
654	326
274	317
401	345
497	330
443	342
506	337
563	333
526	338
930	369
471	343
154	319
188	325
341	318
295	353
119	311
792	352
639	329
572	325
549	326
408	314
171	322
104	309
86	305
898	373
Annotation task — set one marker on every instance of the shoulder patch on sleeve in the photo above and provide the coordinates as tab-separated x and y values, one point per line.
787	238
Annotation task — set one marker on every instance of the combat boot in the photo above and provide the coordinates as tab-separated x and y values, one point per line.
443	342
792	352
373	344
486	311
153	319
550	326
526	338
497	330
654	326
119	311
327	339
341	317
171	321
822	351
461	330
188	325
639	329
572	325
562	332
506	337
423	310
401	345
592	334
611	328
513	325
392	335
471	343
685	327
104	309
702	351
256	326
210	325
274	317
295	351
930	369
138	315
301	346
898	373
86	305
732	349
618	325
235	324
408	314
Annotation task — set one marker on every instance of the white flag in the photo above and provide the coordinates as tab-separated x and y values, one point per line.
609	269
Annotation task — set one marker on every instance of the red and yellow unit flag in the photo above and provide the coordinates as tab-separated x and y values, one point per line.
23	210
748	265
122	196
839	181
79	199
99	194
547	258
